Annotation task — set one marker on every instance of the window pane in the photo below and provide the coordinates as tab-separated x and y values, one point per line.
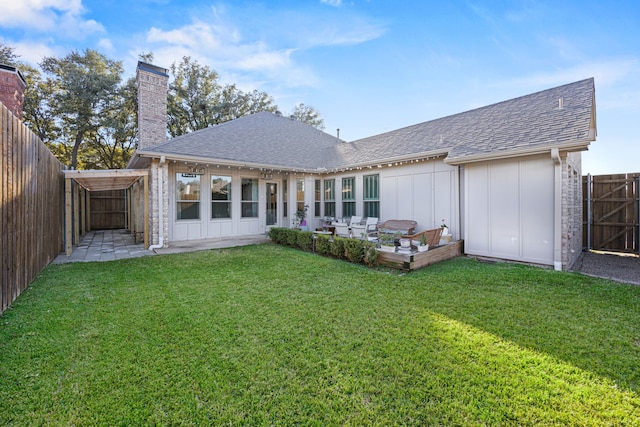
187	196
317	195
220	197
249	209
349	188
371	187
330	197
372	209
348	209
300	194
249	198
330	209
330	190
188	210
285	199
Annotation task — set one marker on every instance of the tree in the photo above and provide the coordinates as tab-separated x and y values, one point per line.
308	115
8	55
85	88
197	100
38	115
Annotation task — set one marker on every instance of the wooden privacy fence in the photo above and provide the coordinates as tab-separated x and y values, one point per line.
611	212
108	209
31	207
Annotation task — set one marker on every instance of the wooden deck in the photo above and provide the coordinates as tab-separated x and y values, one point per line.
416	260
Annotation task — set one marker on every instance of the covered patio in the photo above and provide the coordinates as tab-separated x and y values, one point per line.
80	183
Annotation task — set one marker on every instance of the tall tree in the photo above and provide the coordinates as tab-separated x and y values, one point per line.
8	55
197	100
38	114
85	86
308	115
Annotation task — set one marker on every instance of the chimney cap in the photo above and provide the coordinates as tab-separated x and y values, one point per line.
153	69
12	69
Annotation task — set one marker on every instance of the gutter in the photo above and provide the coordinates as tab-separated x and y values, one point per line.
496	155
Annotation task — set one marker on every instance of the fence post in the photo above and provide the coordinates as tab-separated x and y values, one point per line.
589	212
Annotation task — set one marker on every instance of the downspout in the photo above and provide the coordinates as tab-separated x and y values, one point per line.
160	207
557	211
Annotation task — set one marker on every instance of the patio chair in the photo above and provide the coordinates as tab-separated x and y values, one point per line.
342	229
367	230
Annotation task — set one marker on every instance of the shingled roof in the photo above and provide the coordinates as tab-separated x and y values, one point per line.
562	117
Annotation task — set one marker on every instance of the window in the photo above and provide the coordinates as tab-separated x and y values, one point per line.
371	187
220	197
348	196
249	203
317	201
330	197
285	199
300	194
187	196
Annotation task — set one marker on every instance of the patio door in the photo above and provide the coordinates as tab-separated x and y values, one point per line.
272	204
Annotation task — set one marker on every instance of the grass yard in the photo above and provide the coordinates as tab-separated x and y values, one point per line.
267	335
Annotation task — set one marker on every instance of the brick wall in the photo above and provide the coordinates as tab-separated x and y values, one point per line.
571	209
152	104
12	86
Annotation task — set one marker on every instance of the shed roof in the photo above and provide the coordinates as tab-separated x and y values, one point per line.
562	117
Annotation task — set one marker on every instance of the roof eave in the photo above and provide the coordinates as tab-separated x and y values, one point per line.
225	162
581	145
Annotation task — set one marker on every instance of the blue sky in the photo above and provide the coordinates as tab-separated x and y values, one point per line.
370	66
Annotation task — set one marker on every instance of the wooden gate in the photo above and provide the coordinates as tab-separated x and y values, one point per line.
108	210
611	212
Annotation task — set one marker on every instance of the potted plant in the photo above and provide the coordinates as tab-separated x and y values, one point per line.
387	242
301	214
424	245
445	229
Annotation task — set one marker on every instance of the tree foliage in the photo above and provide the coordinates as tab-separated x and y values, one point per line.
8	56
197	99
82	110
308	115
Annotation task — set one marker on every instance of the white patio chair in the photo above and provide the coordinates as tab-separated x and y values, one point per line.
367	230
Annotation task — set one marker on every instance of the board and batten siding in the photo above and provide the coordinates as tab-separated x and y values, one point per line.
426	192
509	210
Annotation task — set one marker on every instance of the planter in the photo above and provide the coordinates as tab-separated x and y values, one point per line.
405	243
423	248
384	248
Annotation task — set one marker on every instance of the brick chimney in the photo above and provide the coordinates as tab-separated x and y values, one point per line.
152	104
12	86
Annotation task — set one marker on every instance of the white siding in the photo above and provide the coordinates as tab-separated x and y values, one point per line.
509	209
426	192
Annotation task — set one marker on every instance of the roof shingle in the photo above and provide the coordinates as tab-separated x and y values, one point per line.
529	122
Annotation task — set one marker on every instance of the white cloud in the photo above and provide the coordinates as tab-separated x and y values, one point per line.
34	52
336	3
61	16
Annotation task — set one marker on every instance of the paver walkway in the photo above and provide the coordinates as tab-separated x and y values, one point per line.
109	245
105	245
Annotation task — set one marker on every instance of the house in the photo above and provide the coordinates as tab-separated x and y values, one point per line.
505	178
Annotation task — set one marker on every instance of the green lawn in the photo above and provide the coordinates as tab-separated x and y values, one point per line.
268	335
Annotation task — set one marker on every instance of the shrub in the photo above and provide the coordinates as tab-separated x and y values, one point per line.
354	250
337	248
305	240
277	235
323	244
292	237
370	256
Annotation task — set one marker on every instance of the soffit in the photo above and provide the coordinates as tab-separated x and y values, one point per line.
103	180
